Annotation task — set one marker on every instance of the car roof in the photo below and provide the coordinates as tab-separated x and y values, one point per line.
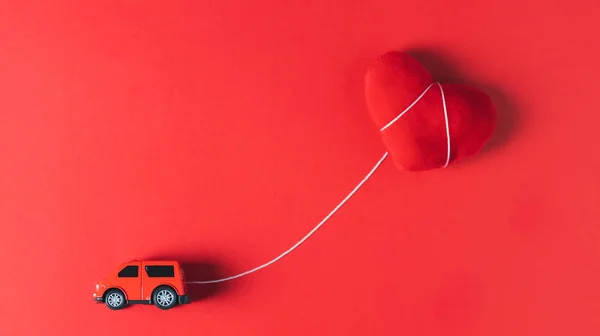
160	262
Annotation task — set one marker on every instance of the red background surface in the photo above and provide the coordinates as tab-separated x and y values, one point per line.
220	132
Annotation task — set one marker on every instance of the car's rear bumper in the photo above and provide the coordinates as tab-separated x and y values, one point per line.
98	299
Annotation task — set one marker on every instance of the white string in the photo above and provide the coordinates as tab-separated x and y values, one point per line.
348	196
447	124
445	117
408	108
307	235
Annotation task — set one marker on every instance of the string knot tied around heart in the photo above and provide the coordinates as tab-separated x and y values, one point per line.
445	116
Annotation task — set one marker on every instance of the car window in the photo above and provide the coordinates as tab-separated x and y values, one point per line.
160	271
129	272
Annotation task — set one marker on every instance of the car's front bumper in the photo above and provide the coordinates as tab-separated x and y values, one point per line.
98	297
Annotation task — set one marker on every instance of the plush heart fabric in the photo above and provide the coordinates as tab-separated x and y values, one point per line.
418	140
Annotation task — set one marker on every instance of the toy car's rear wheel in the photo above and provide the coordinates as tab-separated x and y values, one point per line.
165	297
115	299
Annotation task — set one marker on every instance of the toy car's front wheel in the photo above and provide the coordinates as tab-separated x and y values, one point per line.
115	299
164	297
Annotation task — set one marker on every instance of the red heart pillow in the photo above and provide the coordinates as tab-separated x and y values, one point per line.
424	124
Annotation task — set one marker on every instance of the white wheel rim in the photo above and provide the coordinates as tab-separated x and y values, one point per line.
114	299
165	298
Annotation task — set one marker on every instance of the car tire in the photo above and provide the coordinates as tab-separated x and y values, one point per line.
115	299
164	297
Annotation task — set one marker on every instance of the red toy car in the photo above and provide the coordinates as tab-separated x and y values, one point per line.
160	283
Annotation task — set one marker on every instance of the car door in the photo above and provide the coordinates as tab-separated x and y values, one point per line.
129	279
155	274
